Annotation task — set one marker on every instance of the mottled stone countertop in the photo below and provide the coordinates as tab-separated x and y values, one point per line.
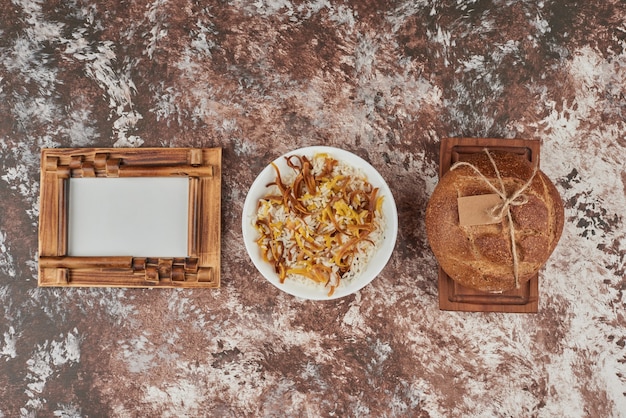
386	80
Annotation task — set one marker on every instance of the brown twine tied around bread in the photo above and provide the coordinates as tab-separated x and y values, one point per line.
516	198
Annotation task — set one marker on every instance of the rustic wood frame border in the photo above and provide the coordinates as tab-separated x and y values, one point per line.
200	269
454	297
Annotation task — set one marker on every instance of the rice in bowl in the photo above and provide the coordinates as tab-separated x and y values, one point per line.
320	221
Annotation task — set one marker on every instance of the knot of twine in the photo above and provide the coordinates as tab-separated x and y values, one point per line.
517	198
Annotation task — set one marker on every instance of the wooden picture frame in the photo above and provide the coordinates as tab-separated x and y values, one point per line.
201	267
455	297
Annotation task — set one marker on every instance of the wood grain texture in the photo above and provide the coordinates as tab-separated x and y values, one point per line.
202	267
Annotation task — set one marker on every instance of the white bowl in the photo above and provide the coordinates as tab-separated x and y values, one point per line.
377	261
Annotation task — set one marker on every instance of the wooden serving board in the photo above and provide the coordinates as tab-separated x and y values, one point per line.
454	297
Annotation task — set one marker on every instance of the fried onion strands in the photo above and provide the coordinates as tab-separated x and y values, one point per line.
320	223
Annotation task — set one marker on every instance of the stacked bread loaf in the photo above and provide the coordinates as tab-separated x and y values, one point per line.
484	257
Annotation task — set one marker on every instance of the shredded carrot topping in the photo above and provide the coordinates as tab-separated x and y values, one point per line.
321	225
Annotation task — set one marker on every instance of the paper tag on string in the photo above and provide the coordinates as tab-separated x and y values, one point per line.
474	210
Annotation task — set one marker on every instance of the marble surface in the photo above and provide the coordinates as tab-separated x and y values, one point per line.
385	80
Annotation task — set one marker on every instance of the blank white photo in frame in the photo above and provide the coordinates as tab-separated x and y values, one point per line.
131	216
